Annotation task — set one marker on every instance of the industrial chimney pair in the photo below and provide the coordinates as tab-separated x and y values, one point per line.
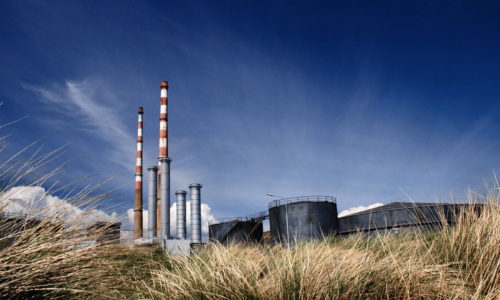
164	187
164	163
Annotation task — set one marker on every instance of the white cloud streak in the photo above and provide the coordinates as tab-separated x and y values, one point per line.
357	209
89	102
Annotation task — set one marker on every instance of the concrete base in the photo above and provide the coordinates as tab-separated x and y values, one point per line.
176	246
145	241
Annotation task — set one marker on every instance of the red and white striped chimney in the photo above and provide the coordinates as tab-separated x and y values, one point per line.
163	121
163	151
165	163
138	226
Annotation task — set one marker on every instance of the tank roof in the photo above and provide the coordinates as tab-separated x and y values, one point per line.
280	202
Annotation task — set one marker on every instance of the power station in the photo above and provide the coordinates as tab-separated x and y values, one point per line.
290	219
159	194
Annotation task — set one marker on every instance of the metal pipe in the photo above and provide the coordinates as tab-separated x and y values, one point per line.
287	235
152	199
158	202
181	214
165	197
195	212
138	226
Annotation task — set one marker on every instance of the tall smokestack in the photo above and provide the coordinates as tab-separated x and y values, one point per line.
165	163
158	202
181	214
152	199
138	181
195	212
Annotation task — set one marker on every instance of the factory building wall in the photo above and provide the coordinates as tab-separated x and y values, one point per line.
402	216
236	231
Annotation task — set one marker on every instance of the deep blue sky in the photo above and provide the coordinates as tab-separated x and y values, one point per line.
361	100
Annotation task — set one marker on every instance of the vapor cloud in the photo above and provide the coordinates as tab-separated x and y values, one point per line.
357	209
35	201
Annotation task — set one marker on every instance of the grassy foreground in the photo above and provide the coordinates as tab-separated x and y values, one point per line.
460	262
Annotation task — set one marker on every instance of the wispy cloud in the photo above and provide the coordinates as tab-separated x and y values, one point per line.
89	106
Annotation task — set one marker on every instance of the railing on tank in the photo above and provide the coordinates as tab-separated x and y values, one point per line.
252	217
291	200
224	220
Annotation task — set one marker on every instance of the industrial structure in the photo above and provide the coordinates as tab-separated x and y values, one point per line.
159	194
306	217
138	226
104	232
290	219
400	216
181	214
236	230
315	217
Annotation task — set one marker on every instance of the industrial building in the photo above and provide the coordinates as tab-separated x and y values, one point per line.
314	217
235	230
400	216
104	232
290	219
159	194
13	224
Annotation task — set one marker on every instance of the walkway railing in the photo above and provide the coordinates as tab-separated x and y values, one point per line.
291	200
252	217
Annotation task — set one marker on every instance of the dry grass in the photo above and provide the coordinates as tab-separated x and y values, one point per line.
459	262
41	252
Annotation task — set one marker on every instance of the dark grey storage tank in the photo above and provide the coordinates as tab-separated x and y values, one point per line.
235	230
303	218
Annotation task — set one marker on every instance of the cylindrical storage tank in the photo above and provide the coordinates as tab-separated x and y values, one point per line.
195	212
181	214
303	218
237	231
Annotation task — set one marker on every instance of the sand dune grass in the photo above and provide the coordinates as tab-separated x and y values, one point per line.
457	262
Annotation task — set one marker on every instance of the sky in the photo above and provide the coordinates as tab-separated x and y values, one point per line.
369	102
